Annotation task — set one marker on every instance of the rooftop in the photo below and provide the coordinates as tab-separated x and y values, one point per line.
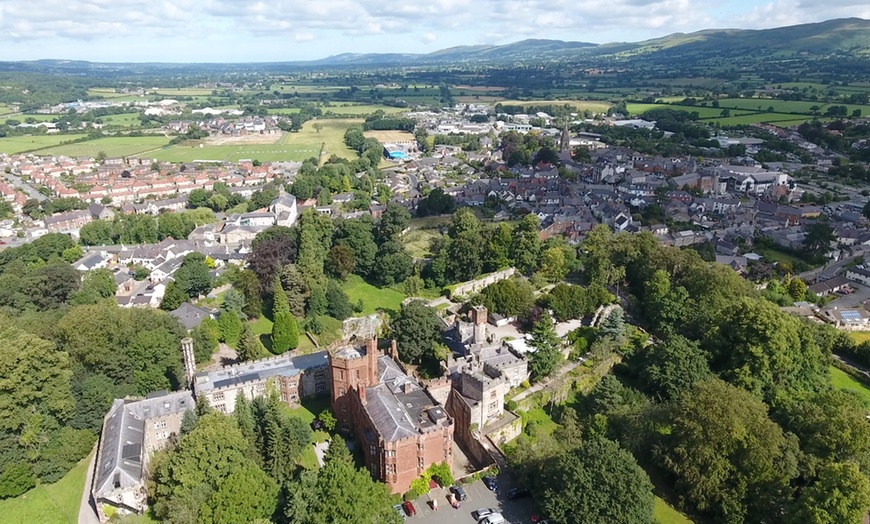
256	370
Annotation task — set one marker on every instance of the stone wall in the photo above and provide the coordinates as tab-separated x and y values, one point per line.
475	286
362	327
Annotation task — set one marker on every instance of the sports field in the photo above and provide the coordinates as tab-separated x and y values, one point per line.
389	136
307	143
18	144
111	146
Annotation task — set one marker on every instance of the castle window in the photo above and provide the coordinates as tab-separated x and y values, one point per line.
160	424
357	374
371	450
341	392
420	462
320	387
218	396
221	407
344	408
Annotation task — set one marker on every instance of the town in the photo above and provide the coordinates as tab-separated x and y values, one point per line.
321	295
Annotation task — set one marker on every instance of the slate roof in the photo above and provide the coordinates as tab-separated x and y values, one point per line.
256	370
189	315
121	454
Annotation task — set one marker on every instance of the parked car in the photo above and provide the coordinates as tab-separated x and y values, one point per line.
518	493
399	510
491	484
409	508
495	518
483	513
459	492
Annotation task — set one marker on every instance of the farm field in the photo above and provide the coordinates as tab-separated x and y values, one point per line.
784	106
580	105
56	503
5	110
390	136
111	146
122	120
842	380
754	118
284	111
361	109
39	117
373	298
703	112
292	147
17	144
665	514
183	91
299	88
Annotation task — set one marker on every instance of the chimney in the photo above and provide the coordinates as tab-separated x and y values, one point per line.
189	360
361	390
393	351
407	387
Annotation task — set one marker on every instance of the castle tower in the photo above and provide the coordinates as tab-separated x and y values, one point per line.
189	359
353	369
479	317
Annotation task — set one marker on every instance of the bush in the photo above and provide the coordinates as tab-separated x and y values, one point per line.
419	487
510	405
15	480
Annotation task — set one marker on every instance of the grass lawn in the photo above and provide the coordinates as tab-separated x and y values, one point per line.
50	503
17	144
308	411
111	146
307	143
540	417
773	255
360	109
860	336
122	120
579	105
842	380
373	298
417	242
784	106
665	514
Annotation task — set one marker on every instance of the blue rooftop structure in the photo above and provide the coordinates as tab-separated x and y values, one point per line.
398	155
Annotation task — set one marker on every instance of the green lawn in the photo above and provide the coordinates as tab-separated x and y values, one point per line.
860	336
308	411
122	120
842	380
417	242
111	146
373	298
360	109
51	503
18	144
307	143
665	514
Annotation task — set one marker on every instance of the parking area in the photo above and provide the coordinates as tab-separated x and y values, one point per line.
518	511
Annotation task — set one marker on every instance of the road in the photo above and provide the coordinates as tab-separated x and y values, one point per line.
825	272
87	513
31	192
857	298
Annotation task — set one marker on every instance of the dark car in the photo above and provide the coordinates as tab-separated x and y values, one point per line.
491	484
459	492
518	493
409	508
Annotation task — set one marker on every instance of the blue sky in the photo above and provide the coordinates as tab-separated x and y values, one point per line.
283	30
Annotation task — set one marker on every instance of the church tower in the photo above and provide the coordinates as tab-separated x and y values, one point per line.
565	140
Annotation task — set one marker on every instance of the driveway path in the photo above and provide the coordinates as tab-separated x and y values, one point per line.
87	513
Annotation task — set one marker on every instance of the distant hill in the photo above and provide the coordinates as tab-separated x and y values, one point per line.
849	36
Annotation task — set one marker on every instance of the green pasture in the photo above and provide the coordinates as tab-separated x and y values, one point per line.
122	120
360	109
284	111
665	514
703	112
302	88
39	117
56	503
111	146
298	146
785	106
579	105
18	144
183	91
842	380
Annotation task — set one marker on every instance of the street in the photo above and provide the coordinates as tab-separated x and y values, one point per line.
518	511
857	298
31	192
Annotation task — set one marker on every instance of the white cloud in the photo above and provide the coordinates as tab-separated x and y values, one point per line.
374	25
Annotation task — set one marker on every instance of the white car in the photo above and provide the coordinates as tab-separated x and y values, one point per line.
482	513
495	518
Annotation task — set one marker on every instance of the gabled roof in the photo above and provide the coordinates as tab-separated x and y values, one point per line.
189	315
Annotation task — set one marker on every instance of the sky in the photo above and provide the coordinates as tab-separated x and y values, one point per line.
287	30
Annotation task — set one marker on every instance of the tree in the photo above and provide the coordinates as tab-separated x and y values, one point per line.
197	198
416	330
547	355
96	285
233	301
173	297
510	297
51	286
728	458
271	250
327	419
436	203
338	305
840	494
796	287
394	220
205	339
672	367
230	328
193	276
392	264
296	289
613	325
339	492
340	262
568	302
553	264
357	236
16	479
250	347
248	283
285	332
209	477
819	239
600	482
526	245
